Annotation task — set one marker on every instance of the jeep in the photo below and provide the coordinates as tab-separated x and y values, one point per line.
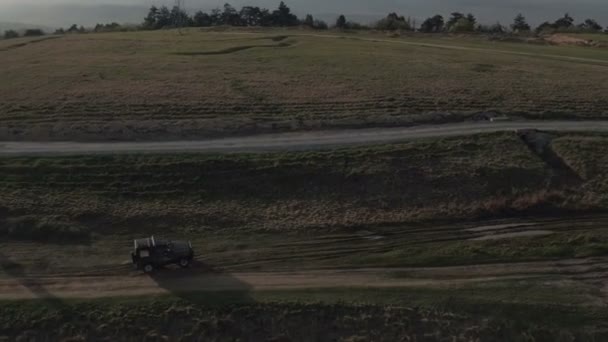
150	254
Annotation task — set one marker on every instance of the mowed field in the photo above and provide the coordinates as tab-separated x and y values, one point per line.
163	85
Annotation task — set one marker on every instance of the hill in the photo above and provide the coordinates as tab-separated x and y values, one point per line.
166	85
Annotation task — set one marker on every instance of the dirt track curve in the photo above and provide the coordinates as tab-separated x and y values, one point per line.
295	141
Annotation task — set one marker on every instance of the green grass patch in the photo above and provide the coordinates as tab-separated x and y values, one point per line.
340	313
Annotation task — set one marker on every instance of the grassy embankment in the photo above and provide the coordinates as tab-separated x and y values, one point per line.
343	314
409	204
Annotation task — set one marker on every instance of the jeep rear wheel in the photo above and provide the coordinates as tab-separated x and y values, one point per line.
183	263
148	268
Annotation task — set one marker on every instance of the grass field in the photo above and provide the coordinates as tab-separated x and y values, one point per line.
162	85
453	178
474	226
409	204
488	237
316	315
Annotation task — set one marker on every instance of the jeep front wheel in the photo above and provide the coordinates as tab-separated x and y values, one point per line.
183	263
148	268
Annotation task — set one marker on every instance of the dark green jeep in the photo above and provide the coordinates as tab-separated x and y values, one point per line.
150	254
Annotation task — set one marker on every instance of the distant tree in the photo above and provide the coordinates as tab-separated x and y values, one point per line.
493	29
180	18
163	19
10	34
461	23
250	16
590	25
81	29
267	18
456	16
60	31
230	16
282	16
545	27
216	17
471	18
564	22
353	25
150	21
520	24
309	21
394	22
33	33
320	25
433	24
73	29
201	19
341	22
112	27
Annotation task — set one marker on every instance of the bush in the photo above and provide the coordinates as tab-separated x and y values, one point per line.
433	24
492	29
394	22
320	25
10	34
351	25
463	25
33	33
112	27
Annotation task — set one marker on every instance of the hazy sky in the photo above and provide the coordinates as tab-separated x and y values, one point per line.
88	12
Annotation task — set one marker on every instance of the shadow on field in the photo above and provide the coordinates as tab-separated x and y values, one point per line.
17	272
231	50
203	284
16	46
539	143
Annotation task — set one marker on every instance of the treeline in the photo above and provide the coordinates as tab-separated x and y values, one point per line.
249	16
253	16
112	27
164	17
9	34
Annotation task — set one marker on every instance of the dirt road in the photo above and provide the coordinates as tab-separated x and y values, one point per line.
295	141
198	280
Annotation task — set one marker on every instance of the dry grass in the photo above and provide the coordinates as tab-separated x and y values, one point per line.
159	85
182	320
487	176
447	178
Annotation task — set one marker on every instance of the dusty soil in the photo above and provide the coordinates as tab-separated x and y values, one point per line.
562	39
171	281
200	279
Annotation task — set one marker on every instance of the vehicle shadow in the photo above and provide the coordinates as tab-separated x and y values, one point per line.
203	284
18	272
